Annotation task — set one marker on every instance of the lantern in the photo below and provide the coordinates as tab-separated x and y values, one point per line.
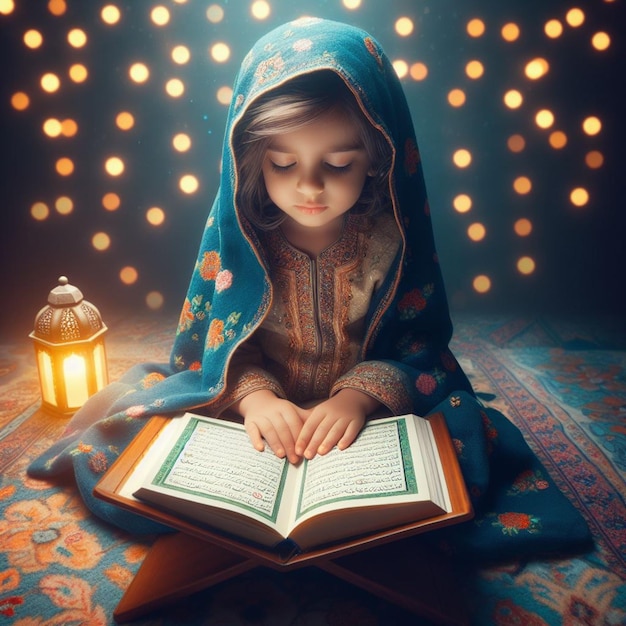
69	349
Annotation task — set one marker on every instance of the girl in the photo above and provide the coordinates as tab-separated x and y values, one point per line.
317	298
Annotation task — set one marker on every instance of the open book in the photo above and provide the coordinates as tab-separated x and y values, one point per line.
206	470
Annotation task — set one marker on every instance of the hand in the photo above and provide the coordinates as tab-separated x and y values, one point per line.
269	418
336	421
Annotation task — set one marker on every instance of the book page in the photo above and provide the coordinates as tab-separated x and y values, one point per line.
214	461
378	464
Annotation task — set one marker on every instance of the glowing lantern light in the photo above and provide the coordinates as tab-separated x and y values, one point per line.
69	349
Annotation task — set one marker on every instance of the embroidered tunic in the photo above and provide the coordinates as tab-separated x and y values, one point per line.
311	342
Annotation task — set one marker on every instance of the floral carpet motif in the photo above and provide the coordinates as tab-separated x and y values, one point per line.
563	384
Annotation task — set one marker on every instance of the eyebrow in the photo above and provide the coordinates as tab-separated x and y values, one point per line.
353	147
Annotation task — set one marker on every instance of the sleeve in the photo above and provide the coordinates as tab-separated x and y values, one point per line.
381	380
245	375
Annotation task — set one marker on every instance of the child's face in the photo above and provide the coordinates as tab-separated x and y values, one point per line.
316	174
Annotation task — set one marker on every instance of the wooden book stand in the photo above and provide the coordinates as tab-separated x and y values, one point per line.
393	564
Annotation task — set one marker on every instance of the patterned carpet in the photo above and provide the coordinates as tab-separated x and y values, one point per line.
562	383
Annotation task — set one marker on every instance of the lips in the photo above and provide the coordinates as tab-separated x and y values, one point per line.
311	209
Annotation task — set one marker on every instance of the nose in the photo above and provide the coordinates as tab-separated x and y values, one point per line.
310	183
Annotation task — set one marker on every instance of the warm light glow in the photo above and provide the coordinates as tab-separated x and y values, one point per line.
76	383
124	120
215	13
523	227
101	241
181	55
175	87
513	99
111	201
476	231
224	95
456	97
78	73
220	52
462	158
20	101
39	211
474	69
155	216
160	15
50	82
69	128
188	183
181	142
462	203
553	29
129	275
401	67
77	38
418	71
110	14
594	159
352	4
601	41
482	284
510	32
52	127
6	7
139	72
260	10
64	166
526	265
579	196
516	143
114	166
575	17
155	300
64	205
537	68
475	28
592	125
544	118
57	7
404	26
558	139
522	185
33	39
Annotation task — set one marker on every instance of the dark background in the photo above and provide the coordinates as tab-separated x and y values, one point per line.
579	252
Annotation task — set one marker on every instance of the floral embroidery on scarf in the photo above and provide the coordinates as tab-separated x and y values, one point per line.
149	380
448	361
527	482
239	101
223	280
411	156
372	48
302	45
427	383
220	331
196	366
410	346
269	69
414	302
512	523
210	265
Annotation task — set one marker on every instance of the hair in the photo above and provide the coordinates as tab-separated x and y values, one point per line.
299	102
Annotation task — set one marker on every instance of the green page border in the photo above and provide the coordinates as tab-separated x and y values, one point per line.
407	462
177	448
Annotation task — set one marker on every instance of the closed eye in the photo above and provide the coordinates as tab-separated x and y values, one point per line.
338	168
281	168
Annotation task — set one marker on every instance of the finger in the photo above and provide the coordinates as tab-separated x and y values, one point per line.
309	428
255	436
